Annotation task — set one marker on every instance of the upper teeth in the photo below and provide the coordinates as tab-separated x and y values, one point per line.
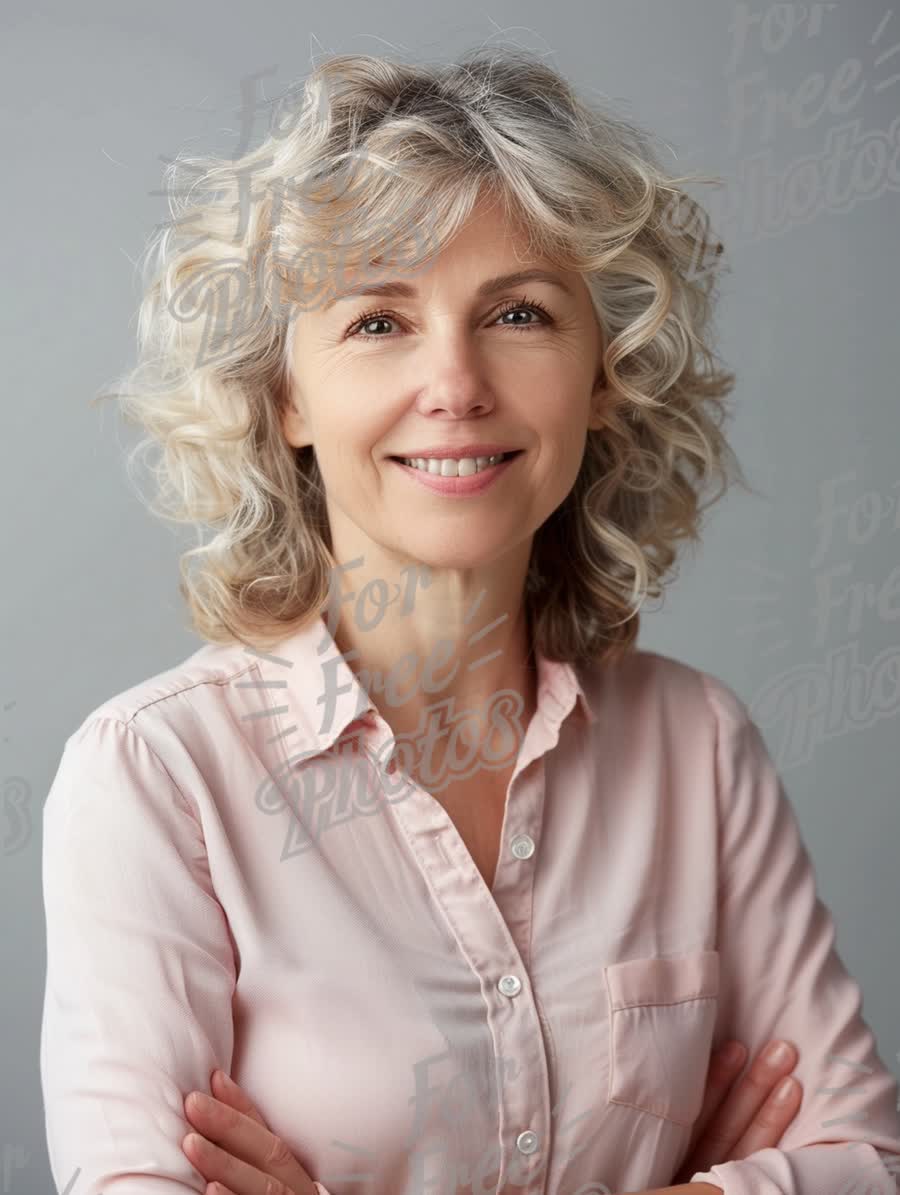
450	466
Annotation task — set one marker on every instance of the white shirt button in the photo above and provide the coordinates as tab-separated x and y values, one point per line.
523	846
527	1142
510	985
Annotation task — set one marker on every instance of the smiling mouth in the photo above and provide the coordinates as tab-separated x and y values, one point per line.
449	467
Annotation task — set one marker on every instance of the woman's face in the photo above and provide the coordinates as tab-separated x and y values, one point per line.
443	368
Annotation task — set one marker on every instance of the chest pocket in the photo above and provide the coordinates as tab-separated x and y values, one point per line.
662	1015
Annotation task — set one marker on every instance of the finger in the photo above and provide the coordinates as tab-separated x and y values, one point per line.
719	1080
237	1140
225	1089
723	1070
765	1130
731	1120
772	1119
218	1166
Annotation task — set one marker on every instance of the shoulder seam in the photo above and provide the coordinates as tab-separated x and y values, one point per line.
93	720
220	679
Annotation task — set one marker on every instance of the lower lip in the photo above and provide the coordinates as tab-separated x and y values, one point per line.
475	483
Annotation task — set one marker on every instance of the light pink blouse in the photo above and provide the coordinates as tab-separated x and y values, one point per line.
235	877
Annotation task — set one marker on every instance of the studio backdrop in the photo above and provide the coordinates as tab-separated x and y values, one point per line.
793	595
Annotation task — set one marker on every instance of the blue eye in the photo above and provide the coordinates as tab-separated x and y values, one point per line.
523	304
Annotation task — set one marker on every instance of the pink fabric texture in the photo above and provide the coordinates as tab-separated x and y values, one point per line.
235	877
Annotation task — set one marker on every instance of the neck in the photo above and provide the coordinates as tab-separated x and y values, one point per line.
443	649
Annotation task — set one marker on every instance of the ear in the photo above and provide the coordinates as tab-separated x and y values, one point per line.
600	400
294	424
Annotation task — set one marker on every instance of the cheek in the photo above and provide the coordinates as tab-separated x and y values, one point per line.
359	418
568	434
345	426
351	472
564	461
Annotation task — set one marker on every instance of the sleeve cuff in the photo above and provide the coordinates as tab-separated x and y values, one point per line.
833	1168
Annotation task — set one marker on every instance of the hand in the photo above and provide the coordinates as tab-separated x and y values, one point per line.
235	1149
734	1122
238	1152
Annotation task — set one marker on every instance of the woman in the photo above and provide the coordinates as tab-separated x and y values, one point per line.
460	887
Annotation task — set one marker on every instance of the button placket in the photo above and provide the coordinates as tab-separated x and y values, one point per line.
523	1103
526	1162
527	1141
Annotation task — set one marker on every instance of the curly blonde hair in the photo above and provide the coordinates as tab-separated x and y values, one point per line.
356	160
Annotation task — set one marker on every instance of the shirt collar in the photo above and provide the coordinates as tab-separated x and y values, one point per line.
326	697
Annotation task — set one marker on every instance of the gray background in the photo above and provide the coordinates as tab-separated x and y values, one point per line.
96	95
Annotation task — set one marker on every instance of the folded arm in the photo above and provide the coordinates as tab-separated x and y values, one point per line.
140	968
781	976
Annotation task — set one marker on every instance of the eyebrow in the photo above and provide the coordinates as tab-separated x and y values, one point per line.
488	287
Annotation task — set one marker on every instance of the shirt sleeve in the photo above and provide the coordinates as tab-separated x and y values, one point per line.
781	976
140	969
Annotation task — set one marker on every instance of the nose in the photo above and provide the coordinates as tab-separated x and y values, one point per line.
454	402
456	386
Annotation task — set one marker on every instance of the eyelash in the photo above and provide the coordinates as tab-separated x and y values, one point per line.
523	303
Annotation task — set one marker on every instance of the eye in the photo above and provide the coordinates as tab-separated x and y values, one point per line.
526	305
523	304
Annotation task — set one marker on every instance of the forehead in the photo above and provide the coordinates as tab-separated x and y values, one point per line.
489	253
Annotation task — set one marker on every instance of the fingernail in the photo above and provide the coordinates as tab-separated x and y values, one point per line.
226	1079
778	1054
784	1091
